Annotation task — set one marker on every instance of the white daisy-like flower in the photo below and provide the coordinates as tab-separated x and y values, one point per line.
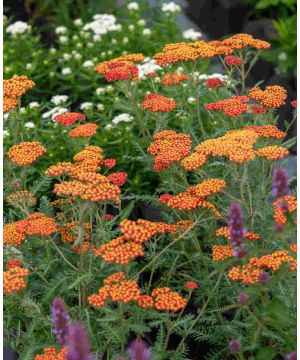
33	105
29	125
86	105
5	133
131	27
53	112
78	22
109	88
96	37
66	71
61	30
124	117
88	63
18	27
141	22
191	34
28	66
133	6
63	39
108	127
146	32
191	100
59	99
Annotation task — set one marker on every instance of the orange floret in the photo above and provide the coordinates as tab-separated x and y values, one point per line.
13	88
287	203
169	147
173	78
103	67
11	236
37	224
158	103
234	106
121	71
84	130
267	131
167	300
69	118
221	252
273	152
14	263
26	153
13	280
272	96
50	353
225	231
69	232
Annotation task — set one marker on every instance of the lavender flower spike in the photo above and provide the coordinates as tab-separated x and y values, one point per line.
60	320
280	183
138	350
237	230
78	343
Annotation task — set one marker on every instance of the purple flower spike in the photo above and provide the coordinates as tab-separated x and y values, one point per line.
280	183
139	350
60	320
291	356
235	346
237	230
78	343
264	278
240	252
242	298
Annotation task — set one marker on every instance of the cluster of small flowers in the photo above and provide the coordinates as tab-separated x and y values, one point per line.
225	232
173	78
14	263
168	147
84	130
128	246
102	24
50	353
13	88
237	146
126	60
125	70
195	196
21	198
284	204
13	280
17	28
199	49
69	119
214	83
119	289
35	224
25	153
87	183
273	96
69	231
158	103
254	271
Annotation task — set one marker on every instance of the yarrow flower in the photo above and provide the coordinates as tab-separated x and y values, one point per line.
84	130
235	346
191	285
22	198
25	153
14	263
173	79
294	103
17	28
233	60
121	71
232	107
124	117
59	99
13	89
191	34
272	96
158	103
13	280
50	353
214	82
284	204
70	118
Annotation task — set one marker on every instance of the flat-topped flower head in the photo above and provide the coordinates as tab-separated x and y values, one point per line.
103	67
13	280
273	96
13	88
51	353
173	79
26	153
121	71
21	198
70	118
158	103
84	130
232	107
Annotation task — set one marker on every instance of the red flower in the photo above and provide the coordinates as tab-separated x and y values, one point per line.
14	263
121	71
233	60
164	198
68	119
117	178
213	82
294	103
109	163
258	109
191	285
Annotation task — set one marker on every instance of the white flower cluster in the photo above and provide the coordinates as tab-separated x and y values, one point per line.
19	27
59	99
191	34
61	30
86	106
53	112
102	24
133	6
148	66
124	117
216	75
88	63
170	7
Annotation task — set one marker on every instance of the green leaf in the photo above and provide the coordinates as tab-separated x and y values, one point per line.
265	353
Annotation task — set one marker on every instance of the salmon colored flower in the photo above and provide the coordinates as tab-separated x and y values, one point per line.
13	280
258	109
84	130
221	252
272	96
225	231
121	71
118	178
14	263
70	118
167	300
294	103
103	67
11	236
158	103
272	152
168	147
26	153
37	224
233	60
173	79
164	198
50	353
232	107
191	285
284	204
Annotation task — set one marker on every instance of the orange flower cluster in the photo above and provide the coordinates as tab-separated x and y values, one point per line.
86	182
272	96
26	153
234	106
21	198
272	152
192	51
287	203
13	280
13	88
35	224
158	103
69	232
84	130
237	146
293	248
104	66
258	109
50	353
168	147
173	79
70	118
14	263
119	289
225	232
128	246
196	196
267	131
250	273
125	70
118	178
221	252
